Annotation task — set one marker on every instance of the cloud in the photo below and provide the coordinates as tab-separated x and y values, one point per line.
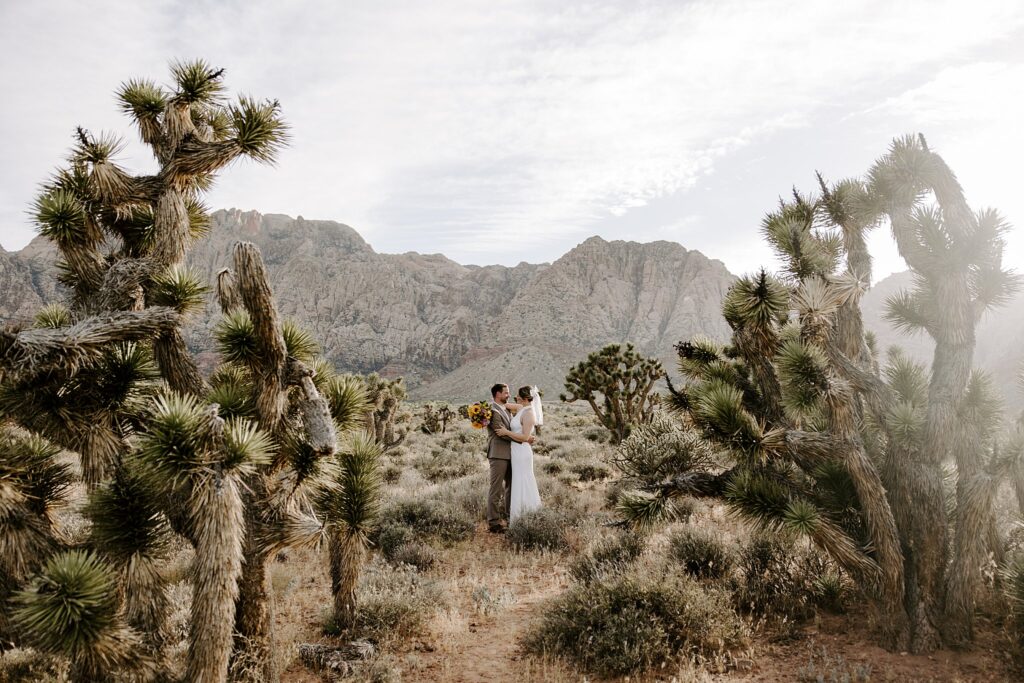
492	132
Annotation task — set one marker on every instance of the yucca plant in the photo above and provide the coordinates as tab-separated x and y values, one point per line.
270	373
70	610
228	464
32	485
618	385
385	398
824	442
349	506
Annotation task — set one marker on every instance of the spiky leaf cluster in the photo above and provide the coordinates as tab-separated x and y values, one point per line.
71	610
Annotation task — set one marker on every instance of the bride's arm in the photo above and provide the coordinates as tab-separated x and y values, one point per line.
527	428
521	438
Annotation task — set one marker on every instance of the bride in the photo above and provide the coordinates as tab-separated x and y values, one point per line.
523	492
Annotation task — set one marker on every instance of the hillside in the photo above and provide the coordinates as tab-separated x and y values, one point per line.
451	329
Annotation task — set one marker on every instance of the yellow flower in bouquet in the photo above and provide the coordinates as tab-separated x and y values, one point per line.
479	414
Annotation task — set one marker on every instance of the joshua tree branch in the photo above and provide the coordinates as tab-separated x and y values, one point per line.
69	348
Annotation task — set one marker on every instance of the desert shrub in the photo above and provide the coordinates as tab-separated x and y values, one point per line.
389	536
596	434
773	581
699	553
611	556
468	494
661	450
1013	589
824	667
395	602
830	591
557	494
635	622
27	666
553	467
591	472
442	465
542	529
390	473
415	554
427	519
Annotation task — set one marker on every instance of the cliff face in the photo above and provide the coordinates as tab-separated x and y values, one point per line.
452	330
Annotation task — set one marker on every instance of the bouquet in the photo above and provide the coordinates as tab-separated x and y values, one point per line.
479	414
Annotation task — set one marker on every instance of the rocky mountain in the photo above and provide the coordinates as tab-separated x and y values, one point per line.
451	330
999	350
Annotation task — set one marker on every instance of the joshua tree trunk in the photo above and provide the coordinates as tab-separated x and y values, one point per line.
253	659
218	523
347	556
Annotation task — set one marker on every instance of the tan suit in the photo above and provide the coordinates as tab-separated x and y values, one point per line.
499	455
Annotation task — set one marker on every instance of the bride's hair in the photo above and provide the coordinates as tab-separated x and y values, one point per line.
524	393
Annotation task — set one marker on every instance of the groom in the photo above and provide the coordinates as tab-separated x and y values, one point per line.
499	455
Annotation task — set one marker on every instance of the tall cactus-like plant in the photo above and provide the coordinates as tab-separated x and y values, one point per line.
826	443
385	397
618	385
349	506
228	464
270	372
956	257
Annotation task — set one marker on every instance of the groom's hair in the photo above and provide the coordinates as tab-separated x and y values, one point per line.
496	389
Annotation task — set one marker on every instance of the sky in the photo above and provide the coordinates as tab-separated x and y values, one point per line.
505	131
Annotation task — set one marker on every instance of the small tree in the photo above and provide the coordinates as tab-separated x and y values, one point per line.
385	398
625	382
822	441
350	507
229	464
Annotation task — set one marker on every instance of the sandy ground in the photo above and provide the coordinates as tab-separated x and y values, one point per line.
477	639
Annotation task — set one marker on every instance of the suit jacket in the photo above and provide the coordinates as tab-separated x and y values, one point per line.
499	447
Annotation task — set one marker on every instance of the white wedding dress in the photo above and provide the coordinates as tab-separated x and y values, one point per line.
524	495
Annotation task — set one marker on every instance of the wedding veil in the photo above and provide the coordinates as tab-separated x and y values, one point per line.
538	410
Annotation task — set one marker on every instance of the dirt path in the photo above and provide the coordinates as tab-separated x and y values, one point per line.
496	598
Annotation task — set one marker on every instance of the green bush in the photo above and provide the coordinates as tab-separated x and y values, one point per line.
430	518
415	554
636	622
830	591
591	472
542	529
391	473
553	467
699	553
611	556
443	465
389	537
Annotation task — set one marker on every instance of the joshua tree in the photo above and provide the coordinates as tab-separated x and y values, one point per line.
349	507
229	465
431	420
385	397
625	381
436	418
824	443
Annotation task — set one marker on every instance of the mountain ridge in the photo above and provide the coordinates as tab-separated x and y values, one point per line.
450	328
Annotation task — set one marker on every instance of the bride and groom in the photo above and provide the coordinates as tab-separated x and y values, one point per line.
510	454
